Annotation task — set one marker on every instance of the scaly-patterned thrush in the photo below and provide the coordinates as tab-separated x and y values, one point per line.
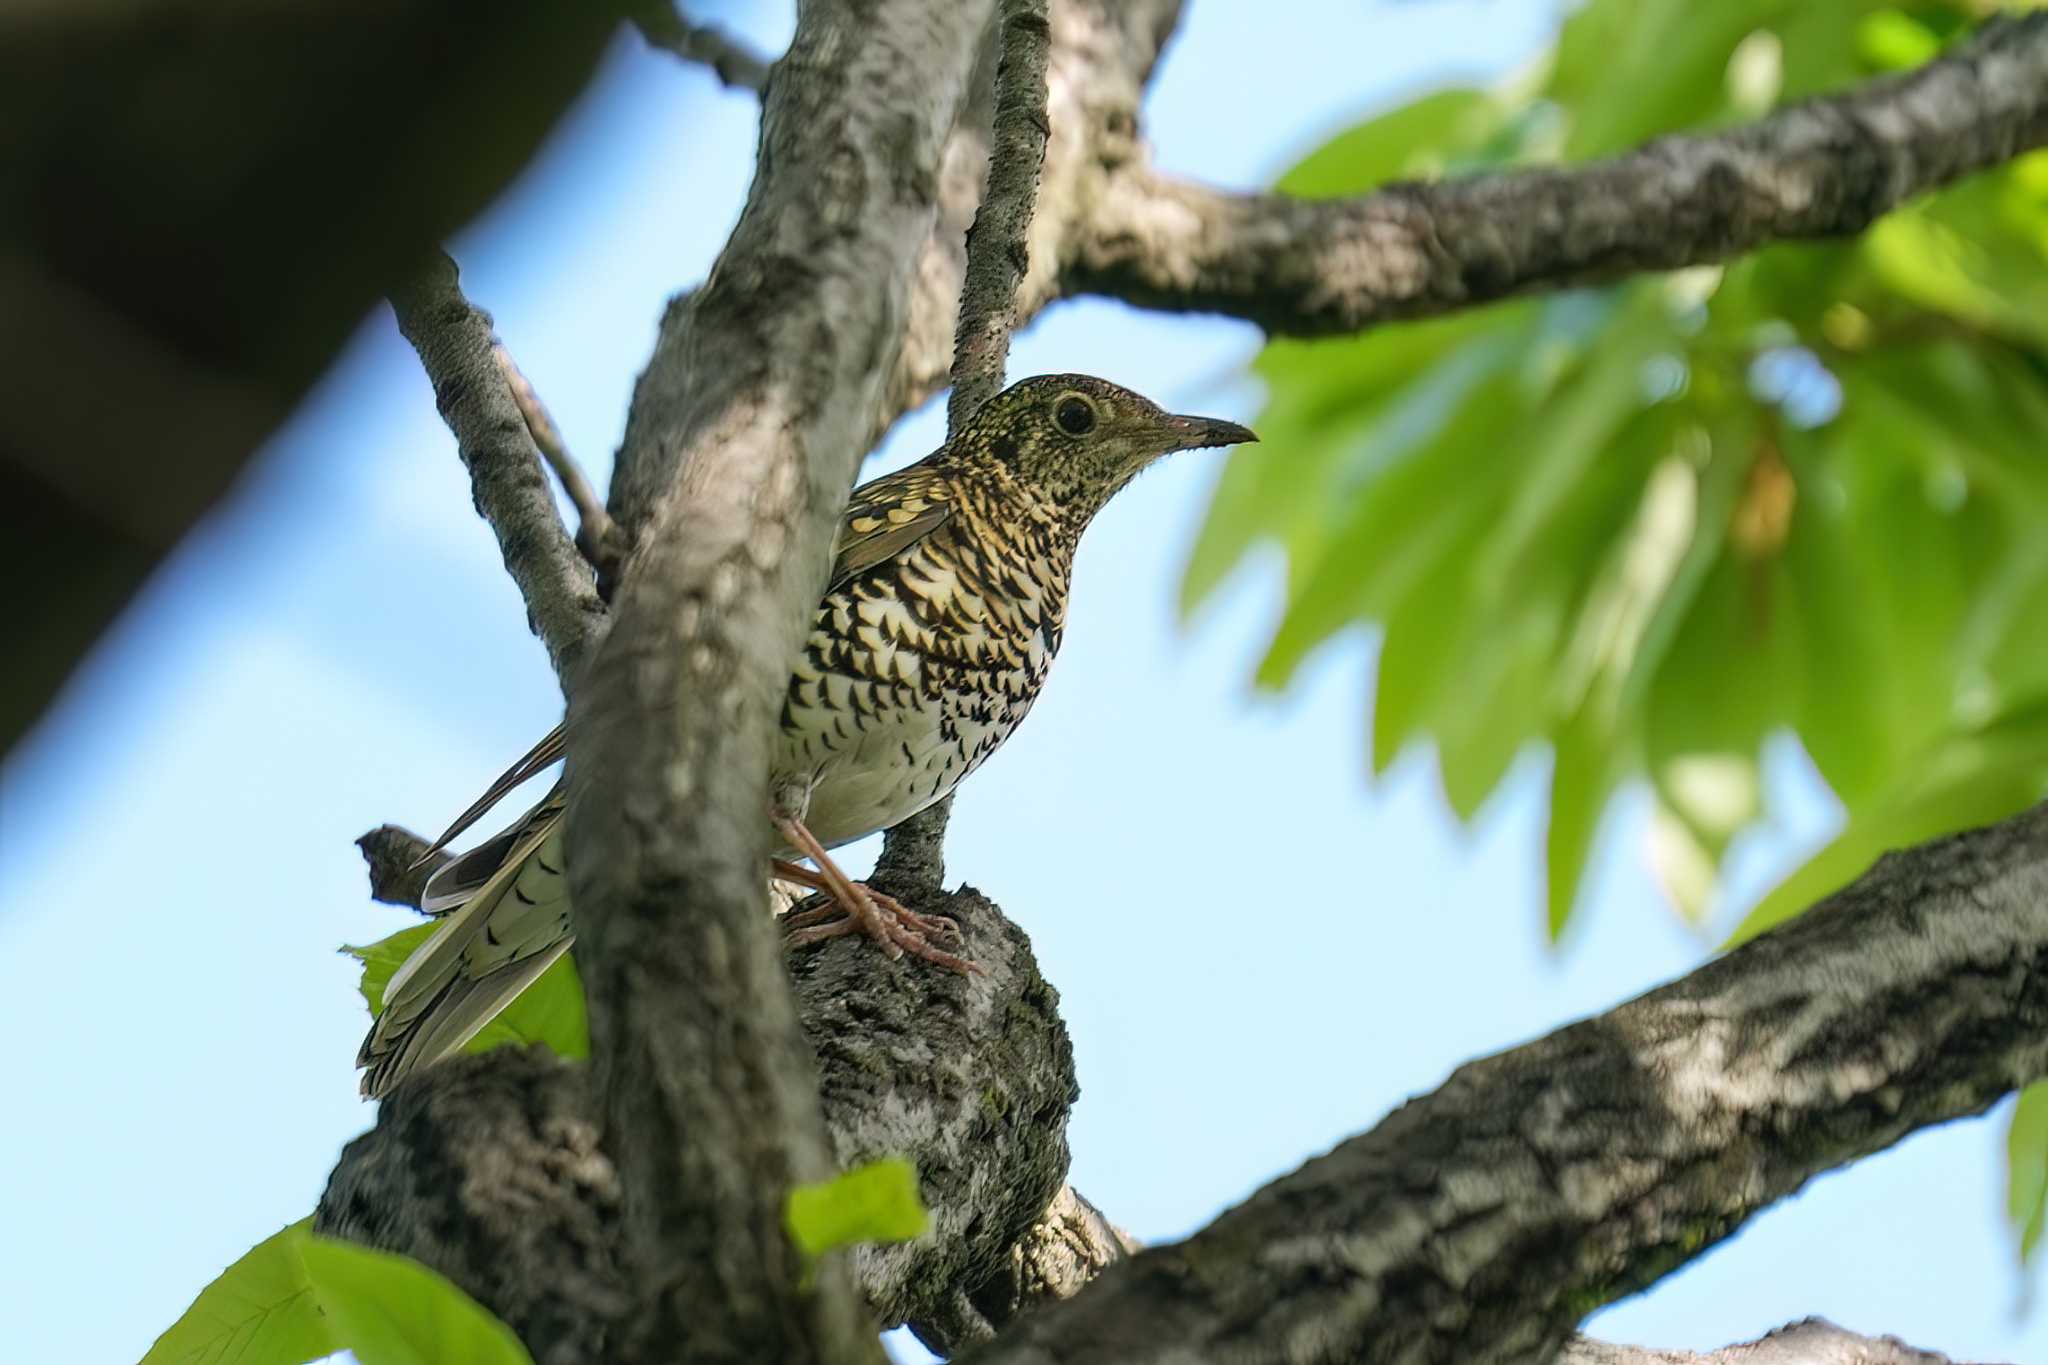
939	623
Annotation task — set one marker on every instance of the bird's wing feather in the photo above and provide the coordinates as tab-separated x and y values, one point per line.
885	517
548	751
492	942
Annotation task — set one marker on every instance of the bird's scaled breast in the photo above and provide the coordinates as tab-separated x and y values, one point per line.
910	678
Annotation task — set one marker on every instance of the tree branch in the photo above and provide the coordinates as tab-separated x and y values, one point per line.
998	257
459	354
1814	1341
397	876
599	540
998	245
1482	1222
744	435
1099	55
663	24
1823	168
489	1169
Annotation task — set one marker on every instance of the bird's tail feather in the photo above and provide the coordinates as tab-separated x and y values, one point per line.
504	921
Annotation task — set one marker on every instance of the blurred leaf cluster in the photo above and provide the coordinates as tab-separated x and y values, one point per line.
1652	524
1649	526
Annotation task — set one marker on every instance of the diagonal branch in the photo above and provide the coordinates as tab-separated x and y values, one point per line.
600	541
998	258
1823	168
1482	1222
459	354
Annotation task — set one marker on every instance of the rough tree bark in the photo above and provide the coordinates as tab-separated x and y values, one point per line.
1478	1223
746	430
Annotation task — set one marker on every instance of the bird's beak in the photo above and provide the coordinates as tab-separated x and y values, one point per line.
1194	433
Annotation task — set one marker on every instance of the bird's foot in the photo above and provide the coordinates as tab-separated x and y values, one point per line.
844	906
890	924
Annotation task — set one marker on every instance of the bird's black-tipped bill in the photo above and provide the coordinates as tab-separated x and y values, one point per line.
1196	433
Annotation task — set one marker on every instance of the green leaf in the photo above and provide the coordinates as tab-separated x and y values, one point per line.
296	1297
875	1202
1596	519
1972	779
1411	142
1892	40
550	1011
1590	759
2026	1169
391	1310
260	1311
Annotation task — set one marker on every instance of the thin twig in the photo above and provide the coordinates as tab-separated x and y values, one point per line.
457	350
999	245
398	876
597	535
998	257
664	26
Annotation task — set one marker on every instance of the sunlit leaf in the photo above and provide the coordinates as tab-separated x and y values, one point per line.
260	1311
875	1202
1590	759
549	1011
1972	779
1657	524
391	1310
2026	1169
297	1297
1411	142
1892	40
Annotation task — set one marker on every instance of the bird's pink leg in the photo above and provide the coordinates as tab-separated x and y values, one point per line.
851	907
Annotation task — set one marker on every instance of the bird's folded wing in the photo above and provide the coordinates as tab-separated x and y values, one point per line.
548	751
886	517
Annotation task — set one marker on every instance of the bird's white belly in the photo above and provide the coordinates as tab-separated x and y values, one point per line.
894	765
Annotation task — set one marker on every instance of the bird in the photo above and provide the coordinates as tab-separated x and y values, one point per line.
944	609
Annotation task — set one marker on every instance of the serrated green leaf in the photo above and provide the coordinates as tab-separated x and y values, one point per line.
550	1011
874	1202
2026	1169
259	1311
391	1310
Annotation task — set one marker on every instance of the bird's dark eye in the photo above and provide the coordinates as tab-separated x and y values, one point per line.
1075	414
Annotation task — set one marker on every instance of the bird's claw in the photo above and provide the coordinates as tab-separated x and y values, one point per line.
892	926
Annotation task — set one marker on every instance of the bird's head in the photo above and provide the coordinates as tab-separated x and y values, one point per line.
1068	442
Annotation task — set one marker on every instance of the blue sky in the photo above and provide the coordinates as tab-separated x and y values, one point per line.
1259	951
